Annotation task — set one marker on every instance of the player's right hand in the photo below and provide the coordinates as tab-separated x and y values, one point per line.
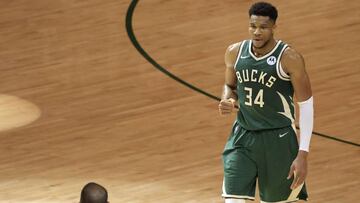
226	106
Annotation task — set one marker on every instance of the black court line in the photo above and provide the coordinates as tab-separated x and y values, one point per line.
130	32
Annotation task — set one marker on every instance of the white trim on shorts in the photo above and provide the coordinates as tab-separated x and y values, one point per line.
292	197
225	195
286	201
238	197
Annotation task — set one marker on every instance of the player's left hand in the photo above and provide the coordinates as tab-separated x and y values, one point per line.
298	169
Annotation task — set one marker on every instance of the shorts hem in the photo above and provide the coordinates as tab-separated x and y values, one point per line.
238	197
284	201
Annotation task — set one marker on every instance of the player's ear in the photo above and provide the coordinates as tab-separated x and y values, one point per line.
274	28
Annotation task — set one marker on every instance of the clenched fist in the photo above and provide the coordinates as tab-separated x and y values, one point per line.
226	106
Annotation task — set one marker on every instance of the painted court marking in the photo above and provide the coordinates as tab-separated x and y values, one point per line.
16	112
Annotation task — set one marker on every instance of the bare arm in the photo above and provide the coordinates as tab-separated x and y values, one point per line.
229	90
229	96
293	63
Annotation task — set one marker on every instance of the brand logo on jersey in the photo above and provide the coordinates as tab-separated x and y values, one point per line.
271	60
244	57
282	135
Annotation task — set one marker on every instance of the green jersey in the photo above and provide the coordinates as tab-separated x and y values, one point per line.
264	90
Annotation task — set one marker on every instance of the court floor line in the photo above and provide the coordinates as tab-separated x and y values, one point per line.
131	35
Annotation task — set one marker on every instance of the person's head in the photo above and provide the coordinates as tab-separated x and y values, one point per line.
93	193
262	19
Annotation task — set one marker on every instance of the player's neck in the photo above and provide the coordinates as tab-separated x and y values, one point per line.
265	49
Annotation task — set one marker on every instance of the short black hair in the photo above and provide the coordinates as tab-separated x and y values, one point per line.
264	9
93	193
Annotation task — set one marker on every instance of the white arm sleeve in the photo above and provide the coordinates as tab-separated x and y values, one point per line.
306	122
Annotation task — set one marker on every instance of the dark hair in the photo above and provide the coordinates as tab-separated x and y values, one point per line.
93	193
264	9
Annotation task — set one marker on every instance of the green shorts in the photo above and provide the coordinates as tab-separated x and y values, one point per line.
265	155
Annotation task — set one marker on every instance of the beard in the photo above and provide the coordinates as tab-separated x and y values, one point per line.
263	45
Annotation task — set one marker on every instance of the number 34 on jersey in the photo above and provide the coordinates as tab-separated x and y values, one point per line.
258	100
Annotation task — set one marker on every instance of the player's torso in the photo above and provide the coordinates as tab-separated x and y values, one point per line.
265	92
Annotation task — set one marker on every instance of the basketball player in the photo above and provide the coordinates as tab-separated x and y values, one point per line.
262	75
93	193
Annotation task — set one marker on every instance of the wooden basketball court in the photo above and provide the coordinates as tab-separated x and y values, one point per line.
80	104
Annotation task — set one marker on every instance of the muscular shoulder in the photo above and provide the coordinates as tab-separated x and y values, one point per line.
231	54
292	60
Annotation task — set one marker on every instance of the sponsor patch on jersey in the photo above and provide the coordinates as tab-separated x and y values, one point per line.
271	60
